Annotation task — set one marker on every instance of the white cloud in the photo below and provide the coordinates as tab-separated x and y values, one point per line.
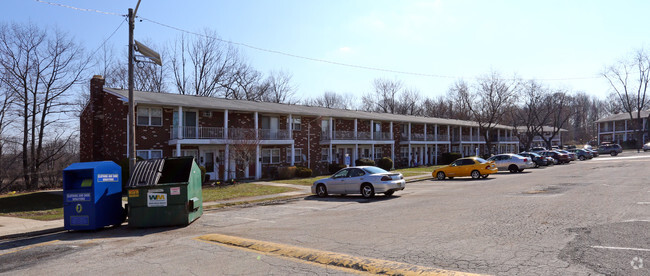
345	49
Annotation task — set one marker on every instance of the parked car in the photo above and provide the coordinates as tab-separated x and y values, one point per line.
560	157
364	180
593	152
512	162
475	167
551	161
611	149
582	154
646	147
538	159
537	149
571	155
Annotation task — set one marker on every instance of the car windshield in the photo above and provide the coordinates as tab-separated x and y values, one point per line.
374	170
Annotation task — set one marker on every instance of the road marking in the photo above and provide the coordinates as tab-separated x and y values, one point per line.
637	220
621	248
643	203
369	265
254	219
300	207
601	159
29	247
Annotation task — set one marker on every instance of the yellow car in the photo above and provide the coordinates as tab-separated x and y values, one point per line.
475	167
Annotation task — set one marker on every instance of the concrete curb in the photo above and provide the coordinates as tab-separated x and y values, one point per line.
32	233
370	265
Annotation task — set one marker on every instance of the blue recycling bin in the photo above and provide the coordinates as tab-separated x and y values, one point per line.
92	195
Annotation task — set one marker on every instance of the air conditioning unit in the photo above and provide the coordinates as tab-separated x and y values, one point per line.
207	113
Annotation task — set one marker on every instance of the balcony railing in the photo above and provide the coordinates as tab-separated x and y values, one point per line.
233	133
191	132
361	135
508	139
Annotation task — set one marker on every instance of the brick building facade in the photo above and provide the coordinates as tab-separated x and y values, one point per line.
246	139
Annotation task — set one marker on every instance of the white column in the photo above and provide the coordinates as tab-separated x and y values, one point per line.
331	128
390	131
372	152
355	131
355	155
409	136
449	138
329	156
410	151
178	148
435	132
392	151
225	124
460	135
425	132
426	153
372	132
293	153
257	136
436	155
290	128
471	135
180	122
258	165
226	164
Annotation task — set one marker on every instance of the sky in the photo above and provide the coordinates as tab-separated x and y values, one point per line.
564	44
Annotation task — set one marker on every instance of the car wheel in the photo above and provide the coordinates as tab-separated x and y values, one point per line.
475	174
513	168
321	190
613	153
440	176
389	193
367	191
582	158
485	175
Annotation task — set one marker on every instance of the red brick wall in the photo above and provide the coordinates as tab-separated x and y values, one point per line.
343	125
241	120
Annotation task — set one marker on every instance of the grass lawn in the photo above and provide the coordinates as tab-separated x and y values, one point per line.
37	205
241	190
301	181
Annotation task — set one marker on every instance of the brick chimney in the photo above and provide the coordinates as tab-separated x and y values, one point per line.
92	123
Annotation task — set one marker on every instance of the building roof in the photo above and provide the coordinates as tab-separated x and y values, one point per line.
544	128
623	116
213	103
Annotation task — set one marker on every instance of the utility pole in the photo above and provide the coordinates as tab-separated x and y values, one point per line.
131	132
131	99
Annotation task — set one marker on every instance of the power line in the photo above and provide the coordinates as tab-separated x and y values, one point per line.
299	56
109	37
79	9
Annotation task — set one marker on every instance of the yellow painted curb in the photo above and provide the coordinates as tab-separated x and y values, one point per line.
375	266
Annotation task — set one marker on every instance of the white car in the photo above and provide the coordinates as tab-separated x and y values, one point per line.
364	180
512	162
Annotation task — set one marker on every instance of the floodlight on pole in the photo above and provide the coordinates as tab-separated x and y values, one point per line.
131	132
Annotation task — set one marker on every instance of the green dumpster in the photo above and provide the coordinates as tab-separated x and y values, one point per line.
165	192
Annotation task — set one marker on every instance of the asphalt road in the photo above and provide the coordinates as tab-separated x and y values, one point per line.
585	218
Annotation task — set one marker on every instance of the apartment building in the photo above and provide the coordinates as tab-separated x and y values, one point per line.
618	128
247	139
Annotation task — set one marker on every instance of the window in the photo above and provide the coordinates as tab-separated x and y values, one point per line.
324	154
356	173
378	153
404	152
297	154
296	124
270	156
192	152
342	173
149	154
149	116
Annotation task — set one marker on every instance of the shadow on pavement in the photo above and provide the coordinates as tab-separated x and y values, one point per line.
353	198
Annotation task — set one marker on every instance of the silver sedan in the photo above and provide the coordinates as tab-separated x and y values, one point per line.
512	162
364	180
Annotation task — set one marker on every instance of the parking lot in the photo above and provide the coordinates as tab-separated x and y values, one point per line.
584	218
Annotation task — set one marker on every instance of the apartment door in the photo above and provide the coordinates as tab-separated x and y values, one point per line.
221	161
209	163
189	124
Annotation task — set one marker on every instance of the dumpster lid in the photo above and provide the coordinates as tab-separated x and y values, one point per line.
146	173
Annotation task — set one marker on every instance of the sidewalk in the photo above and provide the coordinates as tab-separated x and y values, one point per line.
11	227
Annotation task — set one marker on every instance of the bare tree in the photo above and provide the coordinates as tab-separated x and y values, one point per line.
331	99
488	102
409	103
243	148
526	115
555	112
384	98
40	67
201	65
629	80
280	89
